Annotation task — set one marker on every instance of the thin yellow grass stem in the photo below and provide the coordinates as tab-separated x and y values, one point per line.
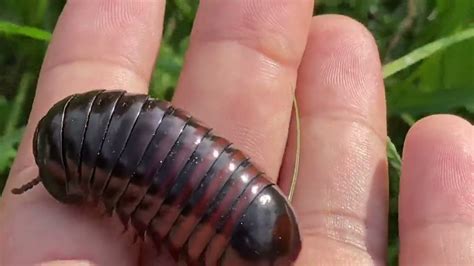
294	178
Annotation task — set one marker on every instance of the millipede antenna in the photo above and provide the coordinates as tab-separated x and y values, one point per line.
27	186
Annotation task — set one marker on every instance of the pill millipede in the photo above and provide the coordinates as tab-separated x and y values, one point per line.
166	175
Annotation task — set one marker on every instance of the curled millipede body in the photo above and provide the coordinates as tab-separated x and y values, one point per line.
166	175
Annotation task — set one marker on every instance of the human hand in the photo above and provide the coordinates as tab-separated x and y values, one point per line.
243	61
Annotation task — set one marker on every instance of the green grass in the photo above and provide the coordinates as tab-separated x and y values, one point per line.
426	46
8	28
425	51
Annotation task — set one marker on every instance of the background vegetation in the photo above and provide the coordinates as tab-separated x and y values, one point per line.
435	75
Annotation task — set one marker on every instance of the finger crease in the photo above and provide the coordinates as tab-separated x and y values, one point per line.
123	63
344	227
462	220
348	115
275	57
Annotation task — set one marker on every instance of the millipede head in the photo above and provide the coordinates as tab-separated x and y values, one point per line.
47	152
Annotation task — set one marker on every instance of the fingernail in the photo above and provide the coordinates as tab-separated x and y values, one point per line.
67	263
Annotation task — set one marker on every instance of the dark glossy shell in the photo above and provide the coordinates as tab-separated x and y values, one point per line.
167	175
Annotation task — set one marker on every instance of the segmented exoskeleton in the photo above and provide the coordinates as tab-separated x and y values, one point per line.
167	175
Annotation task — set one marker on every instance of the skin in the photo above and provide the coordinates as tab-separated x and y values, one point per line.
251	54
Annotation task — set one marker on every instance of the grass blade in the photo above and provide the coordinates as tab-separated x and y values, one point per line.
394	157
425	51
31	32
8	145
395	164
18	103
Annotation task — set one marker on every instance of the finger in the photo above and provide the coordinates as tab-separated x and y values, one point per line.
104	44
341	194
240	69
437	193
